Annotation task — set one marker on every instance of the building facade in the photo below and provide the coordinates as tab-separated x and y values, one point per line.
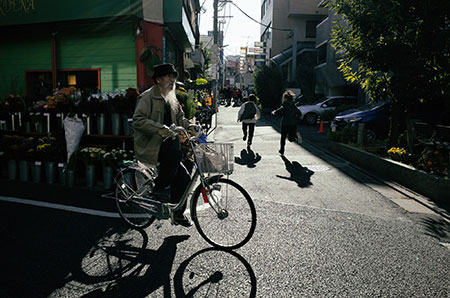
290	26
95	44
329	80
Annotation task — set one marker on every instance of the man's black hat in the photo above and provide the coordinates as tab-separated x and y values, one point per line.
161	70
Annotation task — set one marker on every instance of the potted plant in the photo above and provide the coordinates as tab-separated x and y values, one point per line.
90	157
108	159
48	152
9	147
26	152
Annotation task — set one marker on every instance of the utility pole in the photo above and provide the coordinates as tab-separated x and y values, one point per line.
294	55
215	46
215	22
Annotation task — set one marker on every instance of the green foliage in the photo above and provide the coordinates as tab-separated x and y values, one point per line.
269	86
346	135
434	159
150	58
401	48
187	103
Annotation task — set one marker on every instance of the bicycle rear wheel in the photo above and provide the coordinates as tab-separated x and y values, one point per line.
225	216
127	189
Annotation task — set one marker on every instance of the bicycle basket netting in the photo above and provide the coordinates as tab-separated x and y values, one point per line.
215	157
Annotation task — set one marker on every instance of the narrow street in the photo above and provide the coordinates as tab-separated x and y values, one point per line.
320	233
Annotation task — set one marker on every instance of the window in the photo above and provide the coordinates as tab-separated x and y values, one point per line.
311	29
79	78
322	53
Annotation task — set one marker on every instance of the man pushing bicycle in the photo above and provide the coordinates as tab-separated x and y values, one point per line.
156	110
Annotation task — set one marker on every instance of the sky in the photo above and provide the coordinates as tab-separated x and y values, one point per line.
238	30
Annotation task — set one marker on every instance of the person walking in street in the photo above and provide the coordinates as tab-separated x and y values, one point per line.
289	118
156	110
249	113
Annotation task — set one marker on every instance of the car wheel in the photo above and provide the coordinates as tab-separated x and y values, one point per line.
370	136
311	118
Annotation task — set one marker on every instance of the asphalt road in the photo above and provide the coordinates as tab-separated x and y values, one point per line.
324	229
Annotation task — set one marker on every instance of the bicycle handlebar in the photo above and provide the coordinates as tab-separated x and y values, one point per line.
175	131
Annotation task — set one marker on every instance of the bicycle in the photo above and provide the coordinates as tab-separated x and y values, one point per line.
222	210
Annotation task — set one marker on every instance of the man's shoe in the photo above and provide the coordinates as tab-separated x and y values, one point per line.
281	152
244	137
182	221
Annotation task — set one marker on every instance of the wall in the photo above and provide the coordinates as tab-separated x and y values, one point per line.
110	47
13	12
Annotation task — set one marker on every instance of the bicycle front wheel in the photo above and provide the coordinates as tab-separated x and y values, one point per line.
128	187
224	214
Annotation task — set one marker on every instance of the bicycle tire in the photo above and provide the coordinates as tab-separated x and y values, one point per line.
129	209
237	226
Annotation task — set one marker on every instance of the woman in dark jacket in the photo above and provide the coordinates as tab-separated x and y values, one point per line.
289	117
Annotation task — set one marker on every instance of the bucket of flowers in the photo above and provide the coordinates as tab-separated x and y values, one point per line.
399	154
90	156
48	152
109	160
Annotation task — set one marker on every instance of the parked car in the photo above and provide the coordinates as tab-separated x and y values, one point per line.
375	116
310	113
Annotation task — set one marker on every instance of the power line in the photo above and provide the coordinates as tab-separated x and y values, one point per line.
273	28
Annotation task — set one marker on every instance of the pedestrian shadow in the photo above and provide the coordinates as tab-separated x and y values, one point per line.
299	174
248	158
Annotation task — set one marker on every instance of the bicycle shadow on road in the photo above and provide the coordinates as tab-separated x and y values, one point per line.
248	158
213	272
299	174
151	270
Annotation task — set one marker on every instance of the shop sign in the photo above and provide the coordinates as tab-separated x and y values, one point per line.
14	6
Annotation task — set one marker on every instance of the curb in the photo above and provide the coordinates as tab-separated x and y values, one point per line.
436	189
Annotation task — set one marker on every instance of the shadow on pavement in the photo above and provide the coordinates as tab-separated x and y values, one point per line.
437	228
213	272
151	269
299	174
248	158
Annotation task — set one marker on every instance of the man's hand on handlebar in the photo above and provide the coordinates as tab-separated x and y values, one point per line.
165	132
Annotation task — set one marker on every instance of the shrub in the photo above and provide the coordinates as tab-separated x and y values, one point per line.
346	135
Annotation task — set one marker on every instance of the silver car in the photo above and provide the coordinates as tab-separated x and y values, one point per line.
310	113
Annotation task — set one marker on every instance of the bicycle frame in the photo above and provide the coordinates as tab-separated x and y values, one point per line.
162	210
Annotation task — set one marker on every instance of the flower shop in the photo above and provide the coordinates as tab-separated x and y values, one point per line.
71	137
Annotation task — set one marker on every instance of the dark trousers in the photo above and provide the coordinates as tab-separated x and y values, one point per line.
289	131
171	171
251	130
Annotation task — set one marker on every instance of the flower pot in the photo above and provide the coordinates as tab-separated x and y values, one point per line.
126	126
36	170
69	178
50	172
115	124
24	170
107	177
90	175
27	126
61	174
12	169
101	124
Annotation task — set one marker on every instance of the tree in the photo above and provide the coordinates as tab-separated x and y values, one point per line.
402	50
269	86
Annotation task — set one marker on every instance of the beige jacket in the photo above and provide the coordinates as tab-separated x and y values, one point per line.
148	118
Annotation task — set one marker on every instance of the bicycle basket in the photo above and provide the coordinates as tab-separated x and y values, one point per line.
215	157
